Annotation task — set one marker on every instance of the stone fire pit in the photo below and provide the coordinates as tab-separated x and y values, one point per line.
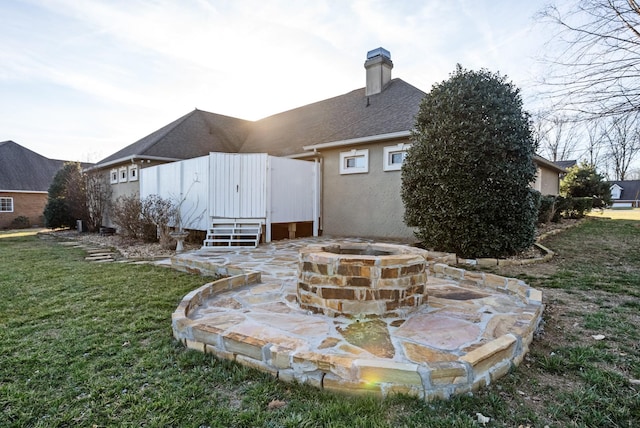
351	316
362	280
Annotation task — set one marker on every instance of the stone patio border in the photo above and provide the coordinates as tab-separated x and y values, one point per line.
349	374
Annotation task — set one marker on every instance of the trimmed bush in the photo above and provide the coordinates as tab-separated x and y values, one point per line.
561	206
546	210
578	207
20	222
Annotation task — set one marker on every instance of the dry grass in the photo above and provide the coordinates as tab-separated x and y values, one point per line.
619	214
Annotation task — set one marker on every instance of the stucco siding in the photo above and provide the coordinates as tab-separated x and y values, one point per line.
365	204
118	189
549	182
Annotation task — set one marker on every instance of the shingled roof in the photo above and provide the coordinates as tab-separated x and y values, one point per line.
345	117
24	170
630	189
565	164
348	116
195	134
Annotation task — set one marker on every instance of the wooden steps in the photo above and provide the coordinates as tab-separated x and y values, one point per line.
233	233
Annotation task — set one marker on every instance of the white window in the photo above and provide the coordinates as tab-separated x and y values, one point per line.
114	176
616	191
394	157
6	205
354	161
133	172
123	174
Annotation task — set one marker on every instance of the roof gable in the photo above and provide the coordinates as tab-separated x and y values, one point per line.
547	164
24	170
630	189
348	116
192	135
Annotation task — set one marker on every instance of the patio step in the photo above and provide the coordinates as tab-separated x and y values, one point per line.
233	233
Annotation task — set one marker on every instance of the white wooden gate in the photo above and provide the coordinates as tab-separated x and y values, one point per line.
238	186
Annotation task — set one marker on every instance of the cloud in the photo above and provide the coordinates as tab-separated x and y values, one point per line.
140	64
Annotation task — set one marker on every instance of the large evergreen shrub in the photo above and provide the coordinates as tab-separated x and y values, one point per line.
66	202
466	179
583	181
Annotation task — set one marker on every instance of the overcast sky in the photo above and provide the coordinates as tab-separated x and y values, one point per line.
80	79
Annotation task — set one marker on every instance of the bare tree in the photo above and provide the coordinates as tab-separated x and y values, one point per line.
622	139
98	195
596	70
633	174
557	136
593	137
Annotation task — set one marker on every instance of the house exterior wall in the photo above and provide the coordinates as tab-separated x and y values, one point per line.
28	204
370	204
120	188
364	204
548	180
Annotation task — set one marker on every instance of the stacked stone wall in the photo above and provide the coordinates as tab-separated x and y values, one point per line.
361	285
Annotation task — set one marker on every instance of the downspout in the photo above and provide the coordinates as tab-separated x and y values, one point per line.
321	201
319	192
268	207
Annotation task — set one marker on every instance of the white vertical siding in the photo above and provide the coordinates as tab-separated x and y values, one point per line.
238	185
148	181
253	186
169	180
181	180
231	185
292	184
194	188
225	175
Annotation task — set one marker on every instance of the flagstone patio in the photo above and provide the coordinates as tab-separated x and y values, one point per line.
472	330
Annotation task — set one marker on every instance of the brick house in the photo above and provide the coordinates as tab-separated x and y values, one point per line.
25	177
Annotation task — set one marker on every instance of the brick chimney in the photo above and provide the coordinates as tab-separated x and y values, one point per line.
378	66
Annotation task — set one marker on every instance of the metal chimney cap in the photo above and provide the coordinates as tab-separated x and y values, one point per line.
378	52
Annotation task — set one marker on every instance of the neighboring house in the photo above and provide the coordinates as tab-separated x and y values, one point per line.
548	176
25	177
625	194
566	164
358	140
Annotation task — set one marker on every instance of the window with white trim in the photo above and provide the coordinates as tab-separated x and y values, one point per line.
354	161
133	172
616	191
123	174
6	204
394	157
113	176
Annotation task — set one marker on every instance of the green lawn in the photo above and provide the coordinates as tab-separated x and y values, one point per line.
90	345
